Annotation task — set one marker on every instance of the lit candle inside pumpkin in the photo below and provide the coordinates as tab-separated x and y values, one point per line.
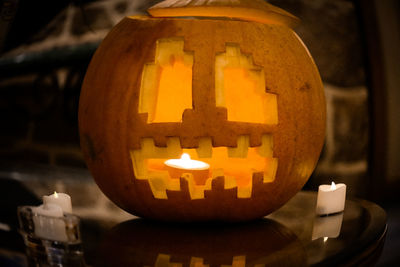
331	199
177	167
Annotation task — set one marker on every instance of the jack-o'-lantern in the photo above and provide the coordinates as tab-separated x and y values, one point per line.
231	88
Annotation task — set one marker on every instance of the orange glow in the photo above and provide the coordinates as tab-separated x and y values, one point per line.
244	101
166	86
240	88
177	167
237	165
185	162
174	93
241	169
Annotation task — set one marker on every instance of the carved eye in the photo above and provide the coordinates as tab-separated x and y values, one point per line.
166	87
239	82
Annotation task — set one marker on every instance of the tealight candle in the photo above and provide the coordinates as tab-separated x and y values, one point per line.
61	199
48	217
177	167
331	199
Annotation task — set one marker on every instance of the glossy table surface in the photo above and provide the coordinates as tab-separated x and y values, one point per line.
292	236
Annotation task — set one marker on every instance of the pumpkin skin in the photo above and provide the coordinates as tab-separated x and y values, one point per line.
111	127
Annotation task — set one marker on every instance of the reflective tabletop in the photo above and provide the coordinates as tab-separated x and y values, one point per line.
291	236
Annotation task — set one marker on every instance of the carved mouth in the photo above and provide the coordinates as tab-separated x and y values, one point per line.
238	165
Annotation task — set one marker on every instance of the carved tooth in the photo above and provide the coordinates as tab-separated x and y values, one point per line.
208	184
173	184
195	191
150	151
270	172
239	261
242	147
139	158
267	145
230	182
139	166
158	182
205	148
163	260
147	147
173	147
197	262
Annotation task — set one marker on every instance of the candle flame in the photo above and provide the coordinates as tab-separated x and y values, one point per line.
185	162
55	194
185	156
326	239
333	186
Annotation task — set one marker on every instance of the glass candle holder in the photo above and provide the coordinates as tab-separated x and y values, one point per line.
50	239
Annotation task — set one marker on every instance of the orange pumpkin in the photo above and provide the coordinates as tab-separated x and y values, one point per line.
242	96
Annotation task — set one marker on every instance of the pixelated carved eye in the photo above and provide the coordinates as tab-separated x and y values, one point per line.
166	87
239	82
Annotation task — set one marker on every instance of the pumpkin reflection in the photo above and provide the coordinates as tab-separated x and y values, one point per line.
144	243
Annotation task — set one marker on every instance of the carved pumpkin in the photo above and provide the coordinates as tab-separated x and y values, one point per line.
242	96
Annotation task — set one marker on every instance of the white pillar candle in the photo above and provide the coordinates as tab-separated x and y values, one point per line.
61	199
48	222
331	199
327	226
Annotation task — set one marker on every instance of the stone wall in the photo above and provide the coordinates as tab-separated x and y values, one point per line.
40	85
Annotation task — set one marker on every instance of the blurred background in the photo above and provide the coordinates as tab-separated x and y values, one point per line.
45	48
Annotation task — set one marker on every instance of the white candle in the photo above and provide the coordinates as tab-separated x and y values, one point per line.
177	167
48	218
327	226
331	199
61	199
48	222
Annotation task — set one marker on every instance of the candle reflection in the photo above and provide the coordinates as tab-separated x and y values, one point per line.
327	227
